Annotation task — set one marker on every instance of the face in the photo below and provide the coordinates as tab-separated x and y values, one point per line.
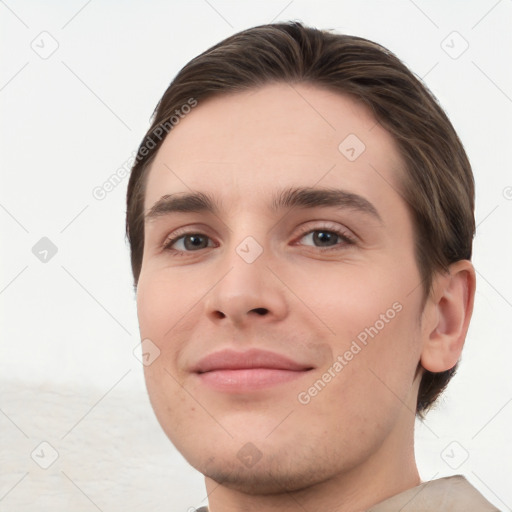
286	309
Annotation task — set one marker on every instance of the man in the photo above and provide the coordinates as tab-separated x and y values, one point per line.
300	217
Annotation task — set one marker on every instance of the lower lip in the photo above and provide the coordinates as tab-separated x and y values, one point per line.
249	379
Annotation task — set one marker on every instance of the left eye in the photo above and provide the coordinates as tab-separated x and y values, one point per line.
324	238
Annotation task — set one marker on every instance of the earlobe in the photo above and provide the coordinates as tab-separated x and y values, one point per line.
447	315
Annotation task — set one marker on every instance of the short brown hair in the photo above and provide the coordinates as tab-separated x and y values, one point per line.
438	184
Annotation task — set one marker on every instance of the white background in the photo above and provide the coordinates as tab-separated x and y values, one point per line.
68	374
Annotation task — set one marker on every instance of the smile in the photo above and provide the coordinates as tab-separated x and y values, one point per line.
230	371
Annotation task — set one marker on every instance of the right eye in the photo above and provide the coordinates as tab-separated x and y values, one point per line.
187	242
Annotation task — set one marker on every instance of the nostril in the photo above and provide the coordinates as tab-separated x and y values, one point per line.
261	311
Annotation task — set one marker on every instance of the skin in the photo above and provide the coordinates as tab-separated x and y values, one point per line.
351	445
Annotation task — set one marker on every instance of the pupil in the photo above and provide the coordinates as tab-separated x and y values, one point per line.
323	236
194	241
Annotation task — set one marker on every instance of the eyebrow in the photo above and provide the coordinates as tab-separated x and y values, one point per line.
293	197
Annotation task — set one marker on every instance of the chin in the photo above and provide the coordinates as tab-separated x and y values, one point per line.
281	471
264	481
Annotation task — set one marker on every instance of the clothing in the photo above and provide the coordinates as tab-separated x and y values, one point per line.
450	494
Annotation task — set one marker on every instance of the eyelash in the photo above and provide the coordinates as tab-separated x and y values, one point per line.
343	235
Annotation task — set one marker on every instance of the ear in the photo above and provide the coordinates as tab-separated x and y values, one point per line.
446	316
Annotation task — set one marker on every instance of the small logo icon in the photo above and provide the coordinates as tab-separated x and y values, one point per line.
44	250
454	45
455	455
351	147
44	455
45	45
249	250
146	352
249	455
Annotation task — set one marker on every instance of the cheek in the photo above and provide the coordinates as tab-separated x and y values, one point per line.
373	319
160	304
349	297
160	311
173	407
367	382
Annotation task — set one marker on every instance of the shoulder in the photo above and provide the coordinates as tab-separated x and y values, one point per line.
450	494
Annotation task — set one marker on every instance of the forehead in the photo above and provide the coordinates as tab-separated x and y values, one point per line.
253	142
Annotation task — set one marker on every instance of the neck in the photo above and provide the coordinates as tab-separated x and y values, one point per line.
388	471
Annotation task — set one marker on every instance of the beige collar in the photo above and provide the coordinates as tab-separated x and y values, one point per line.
450	494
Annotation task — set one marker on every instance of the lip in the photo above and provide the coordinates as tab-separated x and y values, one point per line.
237	372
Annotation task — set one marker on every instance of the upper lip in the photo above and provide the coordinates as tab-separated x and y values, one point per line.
255	358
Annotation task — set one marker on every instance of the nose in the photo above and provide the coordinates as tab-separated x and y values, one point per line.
248	293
